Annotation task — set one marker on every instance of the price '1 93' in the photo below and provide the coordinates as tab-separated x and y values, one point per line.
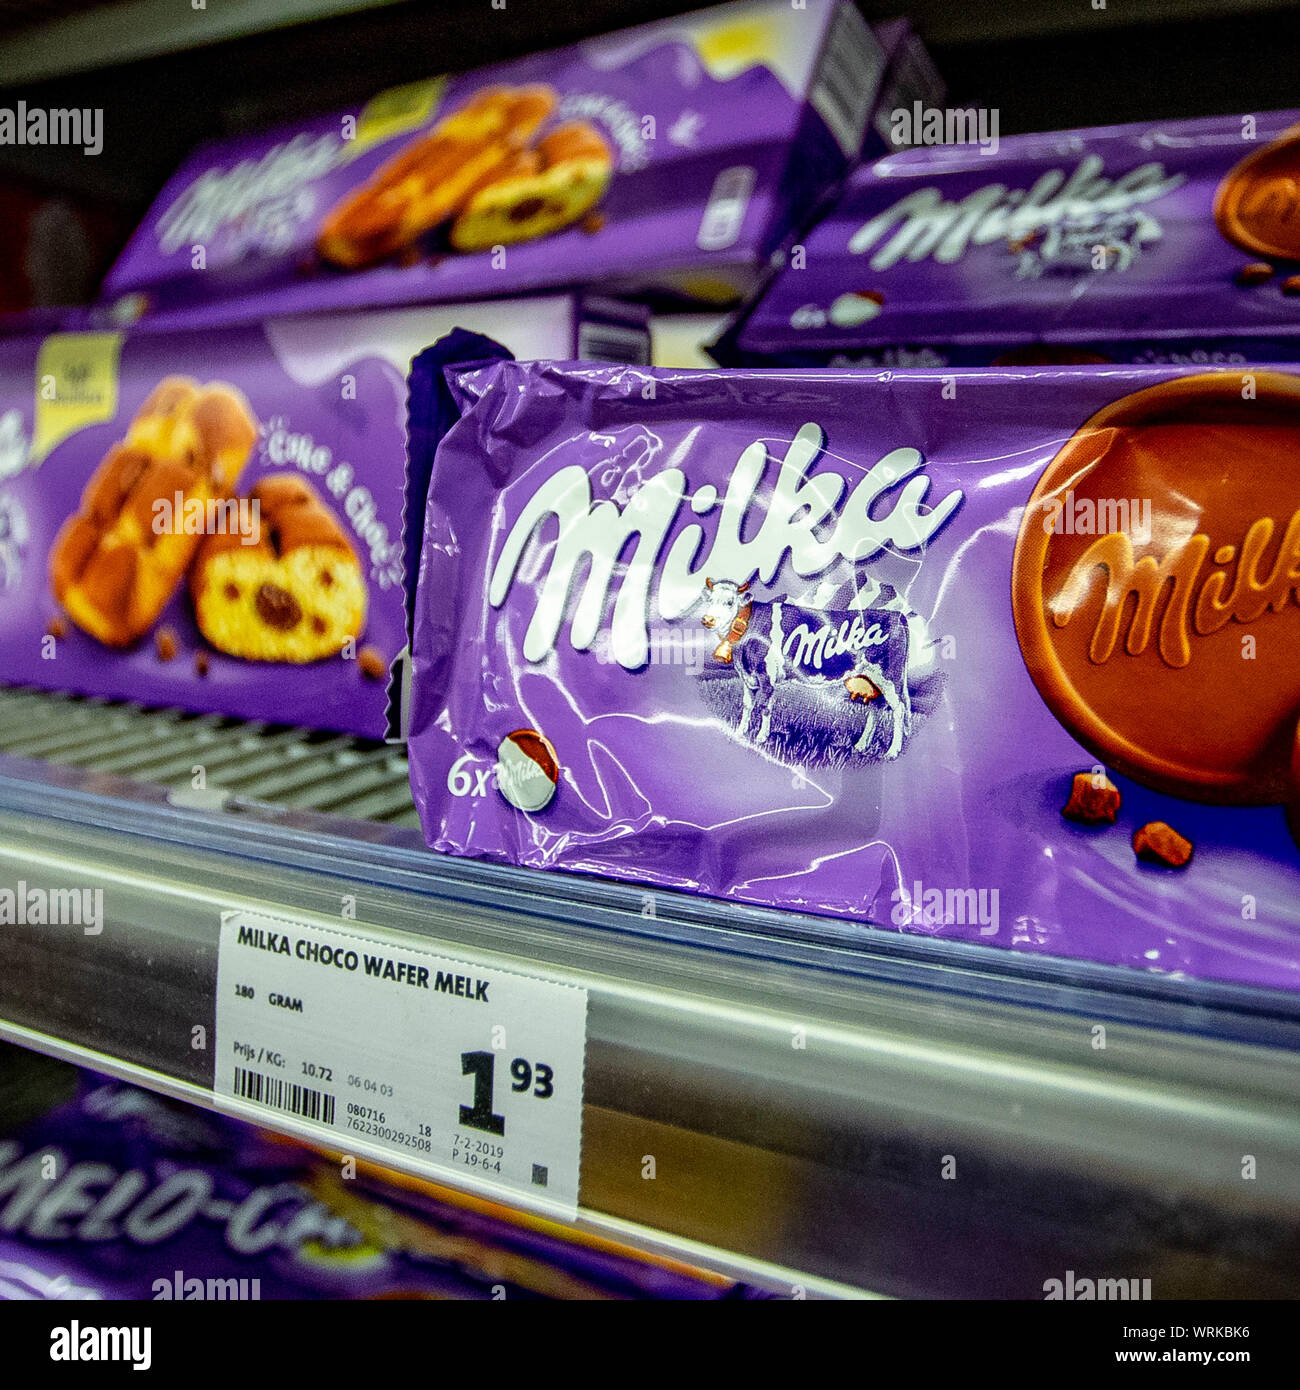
536	1077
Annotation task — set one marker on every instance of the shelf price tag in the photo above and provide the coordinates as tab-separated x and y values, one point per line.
446	1064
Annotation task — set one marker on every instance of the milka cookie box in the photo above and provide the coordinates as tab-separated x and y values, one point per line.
213	519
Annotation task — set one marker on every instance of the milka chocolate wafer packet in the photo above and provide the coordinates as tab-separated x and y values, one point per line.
842	641
1164	242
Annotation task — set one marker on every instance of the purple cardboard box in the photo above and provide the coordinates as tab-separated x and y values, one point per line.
1136	243
672	157
155	1199
214	520
980	655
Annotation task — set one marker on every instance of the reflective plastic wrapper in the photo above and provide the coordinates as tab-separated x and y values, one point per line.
841	642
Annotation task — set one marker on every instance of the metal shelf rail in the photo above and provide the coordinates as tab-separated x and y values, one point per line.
831	1110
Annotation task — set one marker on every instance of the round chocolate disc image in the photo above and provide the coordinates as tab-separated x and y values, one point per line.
1156	586
1257	206
528	770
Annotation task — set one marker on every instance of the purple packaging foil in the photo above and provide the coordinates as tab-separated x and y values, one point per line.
785	638
157	1200
669	157
322	402
1121	243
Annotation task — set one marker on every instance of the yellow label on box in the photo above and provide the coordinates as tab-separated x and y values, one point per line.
731	48
76	386
394	112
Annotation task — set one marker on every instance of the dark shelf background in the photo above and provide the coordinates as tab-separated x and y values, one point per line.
1042	63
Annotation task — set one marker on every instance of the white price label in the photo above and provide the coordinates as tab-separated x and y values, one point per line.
467	1068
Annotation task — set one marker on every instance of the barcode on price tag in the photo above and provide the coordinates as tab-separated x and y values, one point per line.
450	1065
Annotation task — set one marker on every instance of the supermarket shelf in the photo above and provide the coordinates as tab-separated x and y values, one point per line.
818	1163
99	36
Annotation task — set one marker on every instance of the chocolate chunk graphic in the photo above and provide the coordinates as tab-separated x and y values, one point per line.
372	663
1094	800
1158	843
1256	273
277	607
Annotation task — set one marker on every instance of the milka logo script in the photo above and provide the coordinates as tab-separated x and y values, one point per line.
601	531
222	195
923	224
1198	602
804	647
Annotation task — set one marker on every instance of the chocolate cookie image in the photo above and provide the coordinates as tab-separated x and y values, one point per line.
430	180
1257	206
1156	581
541	191
527	770
855	308
115	564
296	595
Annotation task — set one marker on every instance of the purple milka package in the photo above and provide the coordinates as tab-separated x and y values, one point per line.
671	157
999	656
214	520
1167	242
152	1199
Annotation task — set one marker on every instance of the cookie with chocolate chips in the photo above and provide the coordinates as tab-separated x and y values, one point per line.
295	594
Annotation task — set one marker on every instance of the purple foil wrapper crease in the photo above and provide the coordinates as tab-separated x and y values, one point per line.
1127	243
750	634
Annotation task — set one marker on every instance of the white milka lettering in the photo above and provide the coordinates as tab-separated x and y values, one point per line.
812	648
221	195
600	532
924	224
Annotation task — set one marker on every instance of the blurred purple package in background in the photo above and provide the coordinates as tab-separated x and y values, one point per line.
94	489
155	1199
670	158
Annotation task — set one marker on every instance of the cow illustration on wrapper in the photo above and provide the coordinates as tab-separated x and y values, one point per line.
811	686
